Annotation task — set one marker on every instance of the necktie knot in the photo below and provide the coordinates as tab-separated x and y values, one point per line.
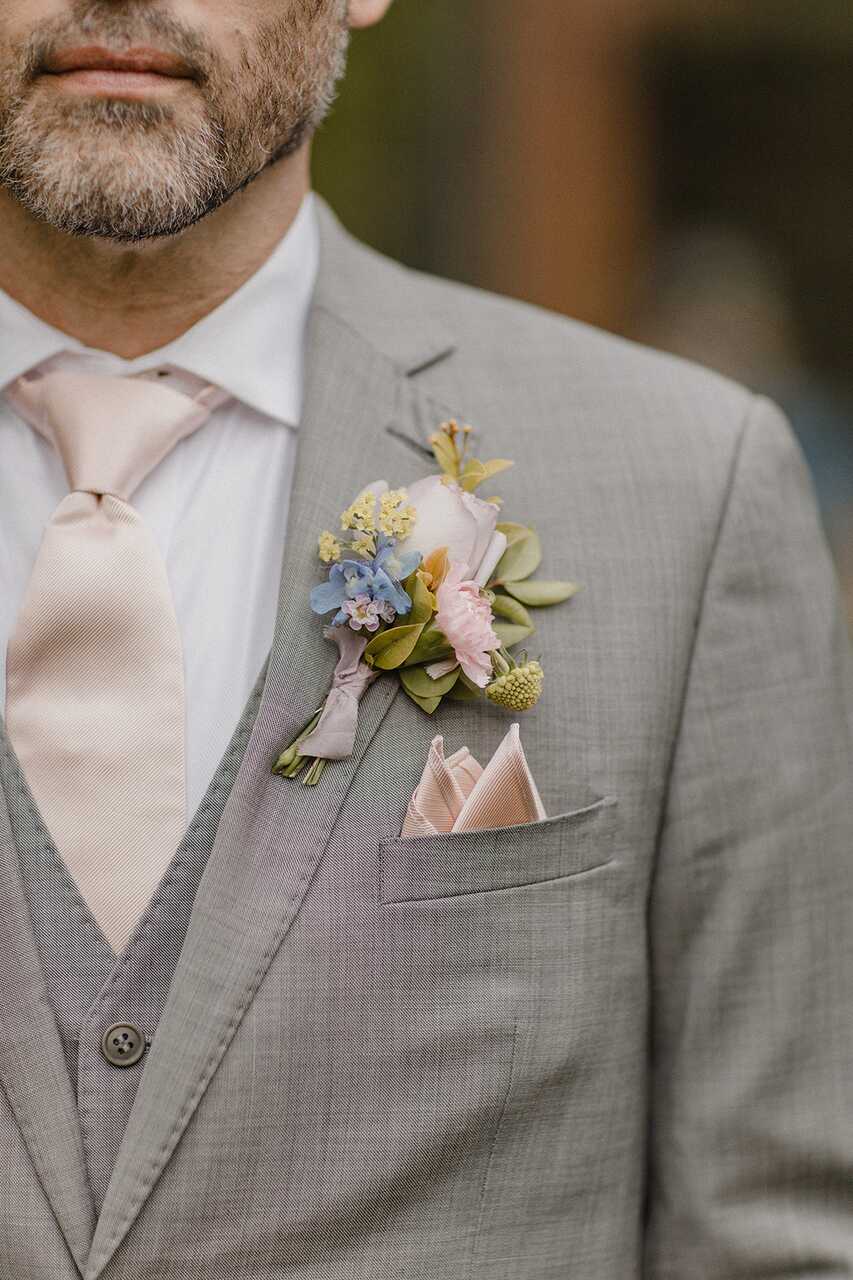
109	431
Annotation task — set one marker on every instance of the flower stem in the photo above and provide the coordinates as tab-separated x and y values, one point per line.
314	774
295	767
290	761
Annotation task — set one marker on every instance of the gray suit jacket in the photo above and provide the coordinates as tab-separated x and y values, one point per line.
615	1043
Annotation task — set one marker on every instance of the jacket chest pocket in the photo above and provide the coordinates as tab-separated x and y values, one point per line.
425	868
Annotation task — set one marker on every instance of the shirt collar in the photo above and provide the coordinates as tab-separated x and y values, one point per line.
251	345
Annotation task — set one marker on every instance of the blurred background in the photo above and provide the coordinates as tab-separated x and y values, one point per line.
677	171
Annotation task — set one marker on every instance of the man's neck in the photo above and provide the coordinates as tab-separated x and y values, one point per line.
134	299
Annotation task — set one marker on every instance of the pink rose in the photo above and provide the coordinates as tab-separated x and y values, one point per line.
448	516
465	618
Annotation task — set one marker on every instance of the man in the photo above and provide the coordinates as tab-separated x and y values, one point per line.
248	1030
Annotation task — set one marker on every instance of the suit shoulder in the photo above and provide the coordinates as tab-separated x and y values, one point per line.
516	342
520	350
513	361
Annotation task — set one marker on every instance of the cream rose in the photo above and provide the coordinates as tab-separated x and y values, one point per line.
448	516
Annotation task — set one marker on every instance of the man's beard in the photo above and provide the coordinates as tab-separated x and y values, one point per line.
131	170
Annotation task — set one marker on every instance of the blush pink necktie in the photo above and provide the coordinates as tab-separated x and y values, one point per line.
94	665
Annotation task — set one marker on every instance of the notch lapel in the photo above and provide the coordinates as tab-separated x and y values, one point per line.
33	1071
274	831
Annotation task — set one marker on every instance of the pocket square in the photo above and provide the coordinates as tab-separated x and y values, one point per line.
456	793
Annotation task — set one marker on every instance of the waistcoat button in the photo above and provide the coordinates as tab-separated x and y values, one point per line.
122	1044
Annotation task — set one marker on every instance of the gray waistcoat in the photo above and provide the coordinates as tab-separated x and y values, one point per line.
88	985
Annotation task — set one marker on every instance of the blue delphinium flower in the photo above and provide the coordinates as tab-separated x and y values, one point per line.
379	579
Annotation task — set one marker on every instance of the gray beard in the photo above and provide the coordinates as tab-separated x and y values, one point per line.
130	171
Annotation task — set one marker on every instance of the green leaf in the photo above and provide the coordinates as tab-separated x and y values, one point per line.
418	681
465	690
512	610
496	466
511	634
445	452
423	601
476	472
432	646
390	649
520	560
426	704
538	594
513	532
473	474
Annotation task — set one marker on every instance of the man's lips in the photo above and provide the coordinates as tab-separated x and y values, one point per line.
96	58
132	72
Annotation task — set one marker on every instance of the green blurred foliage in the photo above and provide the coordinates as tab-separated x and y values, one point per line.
393	159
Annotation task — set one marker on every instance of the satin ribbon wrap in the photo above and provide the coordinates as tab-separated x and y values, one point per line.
334	737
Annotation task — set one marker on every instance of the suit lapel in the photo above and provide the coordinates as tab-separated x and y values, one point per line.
32	1063
363	420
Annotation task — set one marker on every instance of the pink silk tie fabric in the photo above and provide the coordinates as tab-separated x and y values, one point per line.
94	665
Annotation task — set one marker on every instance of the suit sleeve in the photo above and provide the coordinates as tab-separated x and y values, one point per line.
751	913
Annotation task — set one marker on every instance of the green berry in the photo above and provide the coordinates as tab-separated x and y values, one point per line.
519	689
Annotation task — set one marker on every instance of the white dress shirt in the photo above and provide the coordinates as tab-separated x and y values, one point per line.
217	503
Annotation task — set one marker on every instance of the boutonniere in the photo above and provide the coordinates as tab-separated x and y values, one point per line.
429	585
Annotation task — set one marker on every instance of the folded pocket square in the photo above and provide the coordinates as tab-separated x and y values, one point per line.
456	794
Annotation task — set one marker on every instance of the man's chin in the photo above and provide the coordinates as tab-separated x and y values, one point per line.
97	218
127	175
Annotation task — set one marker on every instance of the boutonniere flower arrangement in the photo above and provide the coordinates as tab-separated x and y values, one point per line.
426	584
